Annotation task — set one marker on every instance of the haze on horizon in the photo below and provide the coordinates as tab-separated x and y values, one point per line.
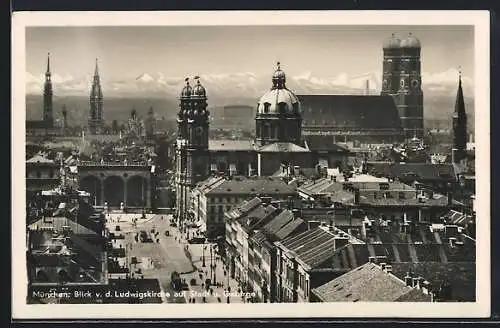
129	51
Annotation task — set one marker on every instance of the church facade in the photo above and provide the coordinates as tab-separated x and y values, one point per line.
278	141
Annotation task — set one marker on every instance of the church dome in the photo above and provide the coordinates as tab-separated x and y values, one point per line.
279	101
187	90
198	90
410	42
392	43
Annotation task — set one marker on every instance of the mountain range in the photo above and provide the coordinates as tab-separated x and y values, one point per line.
244	88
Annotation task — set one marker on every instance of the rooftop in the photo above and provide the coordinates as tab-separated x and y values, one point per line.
369	283
39	159
240	185
324	143
279	147
231	145
350	111
315	246
412	171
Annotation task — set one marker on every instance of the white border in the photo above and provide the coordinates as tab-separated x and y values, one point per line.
481	21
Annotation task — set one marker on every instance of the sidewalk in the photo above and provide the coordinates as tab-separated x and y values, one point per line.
222	278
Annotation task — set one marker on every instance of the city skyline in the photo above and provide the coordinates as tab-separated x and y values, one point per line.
338	63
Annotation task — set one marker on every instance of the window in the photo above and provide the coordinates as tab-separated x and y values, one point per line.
38	174
267	106
282	108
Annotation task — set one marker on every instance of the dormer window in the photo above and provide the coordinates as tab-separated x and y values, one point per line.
267	106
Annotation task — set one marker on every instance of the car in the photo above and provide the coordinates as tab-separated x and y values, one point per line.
196	240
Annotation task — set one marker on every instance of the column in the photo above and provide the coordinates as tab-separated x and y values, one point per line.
125	192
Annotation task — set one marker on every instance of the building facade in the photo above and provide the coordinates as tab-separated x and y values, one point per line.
192	154
402	80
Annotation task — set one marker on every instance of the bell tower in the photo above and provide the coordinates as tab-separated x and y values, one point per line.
459	126
48	117
96	121
410	97
391	66
192	155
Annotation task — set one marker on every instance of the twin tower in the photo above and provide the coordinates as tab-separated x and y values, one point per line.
402	80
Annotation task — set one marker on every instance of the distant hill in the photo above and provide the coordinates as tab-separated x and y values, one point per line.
436	108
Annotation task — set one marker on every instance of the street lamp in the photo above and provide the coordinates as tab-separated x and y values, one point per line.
203	264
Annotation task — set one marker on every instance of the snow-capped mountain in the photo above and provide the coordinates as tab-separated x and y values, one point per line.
243	84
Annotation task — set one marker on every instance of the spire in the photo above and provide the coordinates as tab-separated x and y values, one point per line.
459	103
48	64
96	72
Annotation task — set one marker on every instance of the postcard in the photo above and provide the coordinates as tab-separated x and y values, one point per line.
250	164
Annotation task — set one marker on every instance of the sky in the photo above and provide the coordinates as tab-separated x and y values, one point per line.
125	53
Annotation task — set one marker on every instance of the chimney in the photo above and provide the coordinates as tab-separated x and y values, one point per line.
367	88
414	283
296	213
371	259
296	170
452	241
382	265
388	268
409	279
340	241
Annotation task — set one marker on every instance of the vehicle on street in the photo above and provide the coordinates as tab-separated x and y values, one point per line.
197	240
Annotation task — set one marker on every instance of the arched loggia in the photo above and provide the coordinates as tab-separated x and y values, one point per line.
114	190
137	191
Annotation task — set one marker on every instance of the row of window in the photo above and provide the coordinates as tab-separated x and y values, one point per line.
282	108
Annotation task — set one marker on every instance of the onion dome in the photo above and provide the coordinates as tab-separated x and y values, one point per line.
410	42
279	100
198	90
187	90
392	43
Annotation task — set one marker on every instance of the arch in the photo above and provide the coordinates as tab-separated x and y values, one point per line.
63	275
92	185
114	190
136	191
41	276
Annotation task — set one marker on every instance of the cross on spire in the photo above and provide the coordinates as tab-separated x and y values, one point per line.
48	62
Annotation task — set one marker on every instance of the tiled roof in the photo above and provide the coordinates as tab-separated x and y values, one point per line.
312	247
231	145
289	228
257	217
277	222
460	275
363	112
368	283
40	159
59	222
253	186
455	217
279	147
324	143
412	171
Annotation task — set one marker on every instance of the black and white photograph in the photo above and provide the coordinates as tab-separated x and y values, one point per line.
247	164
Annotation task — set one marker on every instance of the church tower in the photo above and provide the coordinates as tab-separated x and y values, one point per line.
459	126
96	100
409	98
48	117
390	68
278	116
192	156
